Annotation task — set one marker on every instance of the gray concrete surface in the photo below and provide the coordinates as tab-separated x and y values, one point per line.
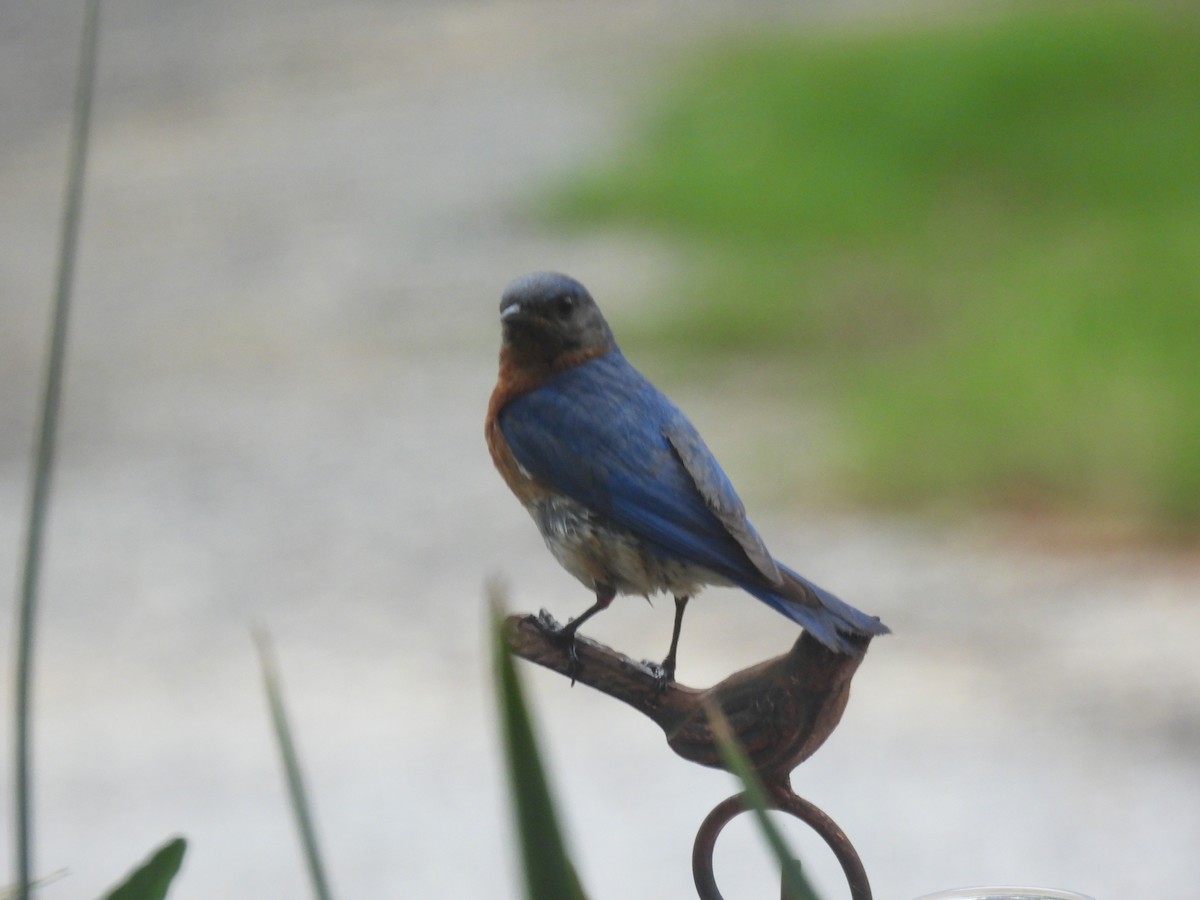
298	221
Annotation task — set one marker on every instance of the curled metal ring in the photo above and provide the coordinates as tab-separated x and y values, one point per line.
784	801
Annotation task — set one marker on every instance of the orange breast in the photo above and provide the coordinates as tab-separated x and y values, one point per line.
518	480
510	384
519	376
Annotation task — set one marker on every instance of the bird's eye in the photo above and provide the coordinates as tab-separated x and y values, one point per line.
564	304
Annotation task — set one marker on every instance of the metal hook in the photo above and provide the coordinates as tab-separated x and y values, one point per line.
783	800
780	712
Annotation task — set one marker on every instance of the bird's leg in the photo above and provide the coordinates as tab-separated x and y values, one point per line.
668	664
604	596
566	635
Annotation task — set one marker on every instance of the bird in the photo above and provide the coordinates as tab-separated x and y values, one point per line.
624	491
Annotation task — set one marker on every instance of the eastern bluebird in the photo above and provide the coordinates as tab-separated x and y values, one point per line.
621	486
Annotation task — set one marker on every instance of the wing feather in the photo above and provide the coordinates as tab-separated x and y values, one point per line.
602	434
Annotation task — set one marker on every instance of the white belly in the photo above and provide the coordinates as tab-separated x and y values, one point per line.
599	553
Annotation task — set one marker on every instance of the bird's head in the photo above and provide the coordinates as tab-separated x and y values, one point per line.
550	320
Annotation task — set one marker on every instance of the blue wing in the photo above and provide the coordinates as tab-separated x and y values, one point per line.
602	434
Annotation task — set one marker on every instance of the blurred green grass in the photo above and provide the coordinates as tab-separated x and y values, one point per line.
984	232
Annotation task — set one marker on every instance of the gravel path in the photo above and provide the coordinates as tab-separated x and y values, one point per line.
299	219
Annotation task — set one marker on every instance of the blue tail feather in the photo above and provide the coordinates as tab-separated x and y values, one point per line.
827	618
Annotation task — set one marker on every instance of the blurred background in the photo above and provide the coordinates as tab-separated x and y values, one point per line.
925	277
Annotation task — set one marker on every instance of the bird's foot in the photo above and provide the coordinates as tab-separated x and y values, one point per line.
663	672
564	637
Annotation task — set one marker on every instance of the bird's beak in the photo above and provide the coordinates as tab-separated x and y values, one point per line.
519	316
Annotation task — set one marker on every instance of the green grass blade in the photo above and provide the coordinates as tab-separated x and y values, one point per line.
10	892
291	766
549	872
152	879
795	883
44	455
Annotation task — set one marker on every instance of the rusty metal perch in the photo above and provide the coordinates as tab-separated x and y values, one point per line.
780	710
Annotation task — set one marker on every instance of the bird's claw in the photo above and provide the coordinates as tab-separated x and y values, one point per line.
572	661
664	675
564	637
